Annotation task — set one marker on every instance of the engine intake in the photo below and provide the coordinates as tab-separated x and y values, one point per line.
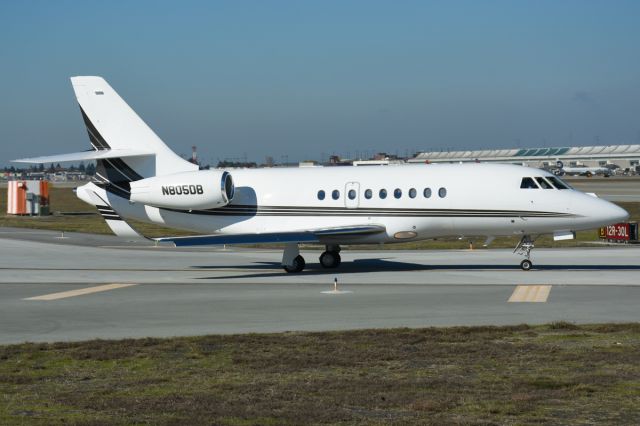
202	189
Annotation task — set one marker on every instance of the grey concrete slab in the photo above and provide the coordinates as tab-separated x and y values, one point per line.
612	189
240	290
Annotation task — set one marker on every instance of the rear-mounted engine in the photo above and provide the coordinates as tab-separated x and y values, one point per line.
202	189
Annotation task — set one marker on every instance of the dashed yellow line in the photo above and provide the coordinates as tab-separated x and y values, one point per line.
79	292
530	293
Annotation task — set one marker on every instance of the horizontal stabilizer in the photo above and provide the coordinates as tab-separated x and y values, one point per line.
85	156
311	236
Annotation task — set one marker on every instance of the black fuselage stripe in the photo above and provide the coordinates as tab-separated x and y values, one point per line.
360	214
368	209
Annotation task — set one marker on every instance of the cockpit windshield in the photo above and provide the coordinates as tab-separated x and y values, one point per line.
528	183
559	183
544	183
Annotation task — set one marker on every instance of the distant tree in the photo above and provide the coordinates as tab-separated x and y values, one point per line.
91	169
41	167
81	168
51	169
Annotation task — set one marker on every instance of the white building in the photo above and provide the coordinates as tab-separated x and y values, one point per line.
624	156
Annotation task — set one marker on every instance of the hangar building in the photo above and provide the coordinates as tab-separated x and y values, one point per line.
624	156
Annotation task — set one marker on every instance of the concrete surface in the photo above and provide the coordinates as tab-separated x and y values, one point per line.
200	291
612	189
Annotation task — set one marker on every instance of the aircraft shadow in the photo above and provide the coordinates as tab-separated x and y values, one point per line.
384	265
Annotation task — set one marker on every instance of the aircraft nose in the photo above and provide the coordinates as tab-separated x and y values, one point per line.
612	213
621	214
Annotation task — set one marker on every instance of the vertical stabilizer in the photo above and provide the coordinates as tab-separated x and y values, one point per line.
112	124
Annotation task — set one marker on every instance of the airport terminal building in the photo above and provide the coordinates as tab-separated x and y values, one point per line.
624	156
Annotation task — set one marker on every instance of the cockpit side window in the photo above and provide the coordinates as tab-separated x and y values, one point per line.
528	183
544	183
558	183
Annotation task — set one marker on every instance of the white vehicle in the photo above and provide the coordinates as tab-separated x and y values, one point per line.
139	177
561	170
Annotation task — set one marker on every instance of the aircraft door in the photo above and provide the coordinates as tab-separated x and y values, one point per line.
352	195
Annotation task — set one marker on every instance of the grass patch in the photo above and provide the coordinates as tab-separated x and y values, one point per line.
64	201
461	375
70	214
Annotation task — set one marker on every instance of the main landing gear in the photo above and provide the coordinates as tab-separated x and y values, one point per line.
293	262
524	248
331	257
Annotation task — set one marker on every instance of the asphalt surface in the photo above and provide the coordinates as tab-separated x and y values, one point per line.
72	289
612	189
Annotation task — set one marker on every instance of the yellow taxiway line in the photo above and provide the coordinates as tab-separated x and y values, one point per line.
530	293
79	292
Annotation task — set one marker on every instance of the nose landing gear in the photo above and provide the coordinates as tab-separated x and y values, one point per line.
524	248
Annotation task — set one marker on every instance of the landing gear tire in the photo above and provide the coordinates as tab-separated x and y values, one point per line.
526	265
330	259
297	265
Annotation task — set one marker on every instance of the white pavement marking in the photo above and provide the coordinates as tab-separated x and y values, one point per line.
79	292
530	293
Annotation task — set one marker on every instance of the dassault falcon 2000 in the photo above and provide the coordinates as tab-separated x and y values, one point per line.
139	177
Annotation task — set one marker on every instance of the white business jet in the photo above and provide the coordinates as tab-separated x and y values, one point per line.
139	177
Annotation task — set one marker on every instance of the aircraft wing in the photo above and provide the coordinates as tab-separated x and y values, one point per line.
310	236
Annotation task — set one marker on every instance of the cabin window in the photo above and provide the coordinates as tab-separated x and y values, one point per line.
543	183
397	193
368	194
528	183
427	193
442	192
321	195
352	194
559	183
335	194
383	193
412	193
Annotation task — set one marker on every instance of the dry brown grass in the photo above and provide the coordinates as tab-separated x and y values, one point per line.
556	374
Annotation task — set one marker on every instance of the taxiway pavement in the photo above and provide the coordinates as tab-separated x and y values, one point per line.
91	286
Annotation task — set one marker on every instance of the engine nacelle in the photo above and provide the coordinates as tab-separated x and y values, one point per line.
202	189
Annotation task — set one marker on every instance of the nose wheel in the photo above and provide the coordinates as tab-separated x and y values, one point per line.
524	248
526	265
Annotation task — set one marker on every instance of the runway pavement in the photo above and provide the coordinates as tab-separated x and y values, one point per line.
88	286
612	189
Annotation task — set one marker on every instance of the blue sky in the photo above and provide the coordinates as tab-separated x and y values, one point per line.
310	78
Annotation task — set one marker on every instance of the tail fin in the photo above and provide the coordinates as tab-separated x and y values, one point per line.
112	124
